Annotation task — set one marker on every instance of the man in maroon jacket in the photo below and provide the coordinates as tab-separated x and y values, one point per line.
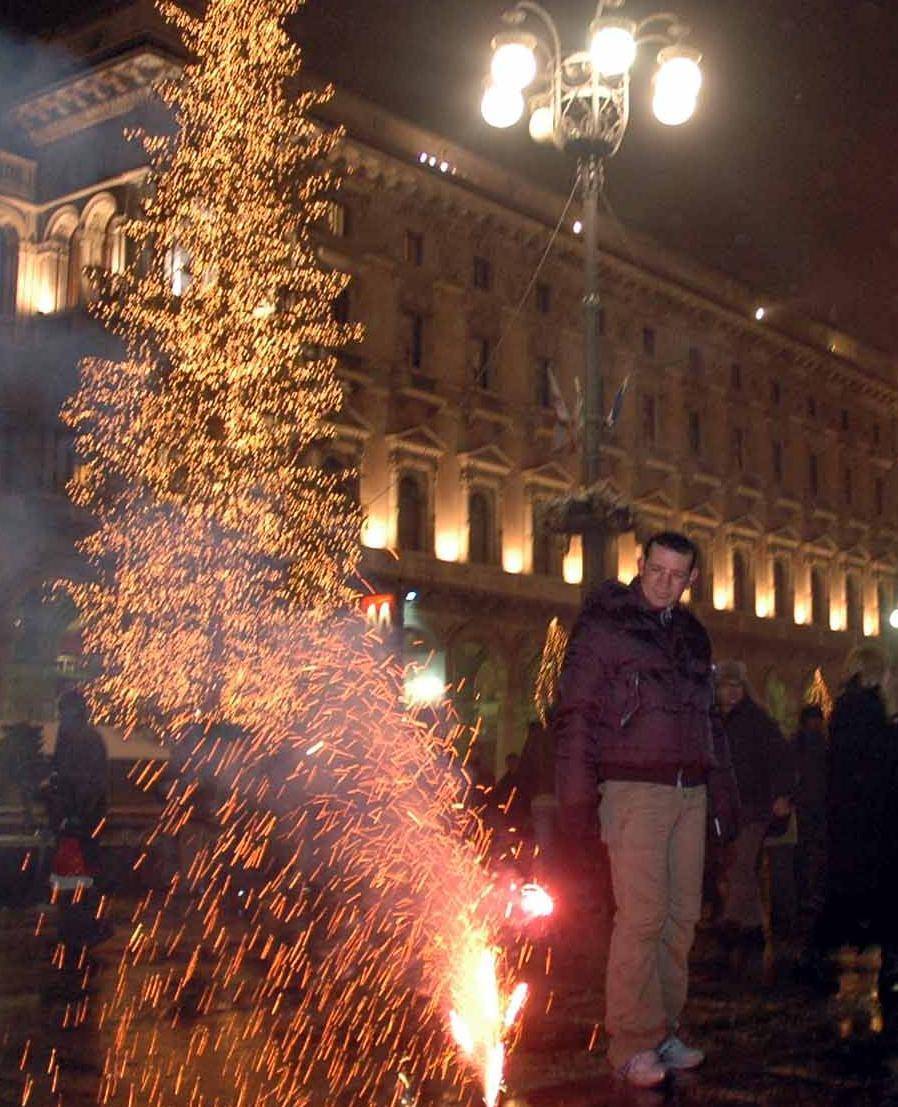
635	715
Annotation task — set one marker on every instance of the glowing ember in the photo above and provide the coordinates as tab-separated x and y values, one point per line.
536	903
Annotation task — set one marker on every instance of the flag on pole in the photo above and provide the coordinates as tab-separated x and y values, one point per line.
617	405
568	426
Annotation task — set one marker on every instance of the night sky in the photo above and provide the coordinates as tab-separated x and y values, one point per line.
787	178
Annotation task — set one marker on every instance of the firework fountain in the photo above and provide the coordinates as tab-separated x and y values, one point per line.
330	931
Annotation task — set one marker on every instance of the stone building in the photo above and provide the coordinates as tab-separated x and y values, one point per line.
768	438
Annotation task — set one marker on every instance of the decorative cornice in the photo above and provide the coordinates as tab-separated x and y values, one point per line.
17	176
105	92
487	459
418	441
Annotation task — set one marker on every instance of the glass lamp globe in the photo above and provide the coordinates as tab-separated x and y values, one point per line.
613	48
513	65
893	619
542	123
676	86
501	107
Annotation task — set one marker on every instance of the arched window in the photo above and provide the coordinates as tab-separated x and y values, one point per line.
741	598
9	270
412	505
819	606
480	528
780	589
854	607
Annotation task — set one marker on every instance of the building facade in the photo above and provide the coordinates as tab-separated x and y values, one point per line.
769	439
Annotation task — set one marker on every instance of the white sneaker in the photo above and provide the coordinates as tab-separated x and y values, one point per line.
677	1055
643	1070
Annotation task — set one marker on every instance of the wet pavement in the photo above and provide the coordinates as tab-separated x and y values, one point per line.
769	1039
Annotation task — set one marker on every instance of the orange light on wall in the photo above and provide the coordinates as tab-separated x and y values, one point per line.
572	567
374	533
627	554
446	546
801	613
513	559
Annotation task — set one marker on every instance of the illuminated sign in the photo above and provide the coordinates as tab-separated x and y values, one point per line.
380	610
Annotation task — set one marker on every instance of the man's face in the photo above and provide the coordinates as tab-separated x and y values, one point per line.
729	693
665	575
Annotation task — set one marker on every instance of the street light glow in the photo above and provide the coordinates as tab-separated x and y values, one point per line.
760	312
676	86
501	107
893	619
513	65
542	124
613	49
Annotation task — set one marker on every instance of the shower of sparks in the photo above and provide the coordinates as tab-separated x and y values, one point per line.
328	916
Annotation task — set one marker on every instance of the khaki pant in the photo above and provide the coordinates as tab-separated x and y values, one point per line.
655	835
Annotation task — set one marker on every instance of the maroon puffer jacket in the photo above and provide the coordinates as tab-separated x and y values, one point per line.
636	701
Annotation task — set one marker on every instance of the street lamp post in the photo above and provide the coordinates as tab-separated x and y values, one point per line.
581	102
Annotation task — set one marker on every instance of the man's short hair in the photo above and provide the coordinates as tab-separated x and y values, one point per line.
810	711
673	540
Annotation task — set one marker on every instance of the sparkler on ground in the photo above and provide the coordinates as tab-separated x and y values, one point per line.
332	908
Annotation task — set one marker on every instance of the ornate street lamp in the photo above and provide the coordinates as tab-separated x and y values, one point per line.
581	102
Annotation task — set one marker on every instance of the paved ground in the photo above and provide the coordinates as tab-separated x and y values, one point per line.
769	1040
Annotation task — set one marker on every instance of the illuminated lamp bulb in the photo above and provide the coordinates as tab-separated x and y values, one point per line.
513	65
893	619
676	85
501	107
613	47
542	123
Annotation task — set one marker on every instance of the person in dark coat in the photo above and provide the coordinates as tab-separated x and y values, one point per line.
766	777
635	714
862	820
80	773
809	744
